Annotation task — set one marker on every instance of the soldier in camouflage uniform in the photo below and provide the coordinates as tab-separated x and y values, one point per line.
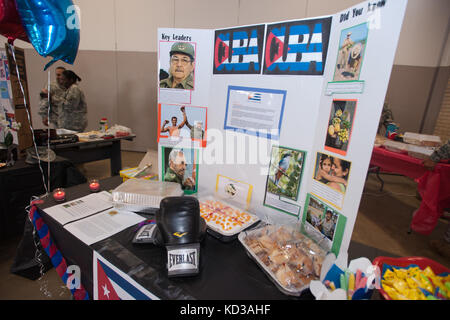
181	67
57	90
72	107
443	153
386	117
176	170
197	132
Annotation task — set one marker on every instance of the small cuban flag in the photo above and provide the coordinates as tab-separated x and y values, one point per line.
254	96
112	284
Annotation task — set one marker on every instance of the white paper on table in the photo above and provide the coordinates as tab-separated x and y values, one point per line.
80	208
103	225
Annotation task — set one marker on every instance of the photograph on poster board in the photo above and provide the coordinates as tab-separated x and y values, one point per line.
352	47
234	190
284	179
323	223
332	172
180	165
297	47
239	50
179	122
255	111
285	172
340	125
177	65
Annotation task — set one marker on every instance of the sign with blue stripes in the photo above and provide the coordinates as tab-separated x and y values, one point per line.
297	47
239	50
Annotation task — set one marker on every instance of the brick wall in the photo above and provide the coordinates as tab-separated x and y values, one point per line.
442	127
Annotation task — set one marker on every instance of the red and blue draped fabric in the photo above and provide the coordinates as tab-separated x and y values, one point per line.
53	252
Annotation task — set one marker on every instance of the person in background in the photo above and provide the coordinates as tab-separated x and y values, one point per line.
57	90
386	118
72	107
443	153
181	69
442	246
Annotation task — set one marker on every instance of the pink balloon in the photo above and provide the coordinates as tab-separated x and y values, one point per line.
10	22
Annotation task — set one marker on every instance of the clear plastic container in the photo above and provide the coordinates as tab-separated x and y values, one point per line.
422	139
419	152
143	195
395	146
289	258
224	219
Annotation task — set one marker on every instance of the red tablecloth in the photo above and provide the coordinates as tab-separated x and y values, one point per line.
433	186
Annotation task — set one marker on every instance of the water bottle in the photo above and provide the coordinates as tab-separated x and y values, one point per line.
103	125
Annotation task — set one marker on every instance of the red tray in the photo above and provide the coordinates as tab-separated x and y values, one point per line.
406	261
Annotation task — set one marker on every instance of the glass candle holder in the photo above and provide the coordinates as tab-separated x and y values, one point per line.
94	185
59	194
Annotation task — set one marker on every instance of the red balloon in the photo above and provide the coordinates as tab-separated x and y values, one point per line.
10	23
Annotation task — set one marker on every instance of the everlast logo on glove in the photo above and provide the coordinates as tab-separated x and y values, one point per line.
183	260
180	230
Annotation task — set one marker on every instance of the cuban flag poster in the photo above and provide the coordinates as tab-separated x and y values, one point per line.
112	284
239	50
297	47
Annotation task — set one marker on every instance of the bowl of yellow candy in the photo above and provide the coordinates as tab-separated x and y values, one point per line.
413	278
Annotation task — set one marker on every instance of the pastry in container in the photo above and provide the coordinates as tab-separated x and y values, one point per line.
225	221
289	258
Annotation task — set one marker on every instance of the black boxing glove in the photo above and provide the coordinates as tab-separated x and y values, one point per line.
180	230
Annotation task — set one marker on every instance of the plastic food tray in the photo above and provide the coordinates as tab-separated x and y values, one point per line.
421	262
143	195
395	146
284	289
422	139
419	152
227	235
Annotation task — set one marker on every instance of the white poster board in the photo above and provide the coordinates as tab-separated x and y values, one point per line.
374	29
273	91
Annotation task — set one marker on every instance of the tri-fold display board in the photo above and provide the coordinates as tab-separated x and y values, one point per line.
281	115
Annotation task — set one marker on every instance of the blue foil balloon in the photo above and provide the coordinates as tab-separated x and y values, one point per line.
52	27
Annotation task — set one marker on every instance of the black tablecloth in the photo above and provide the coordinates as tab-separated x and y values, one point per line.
226	271
17	185
22	181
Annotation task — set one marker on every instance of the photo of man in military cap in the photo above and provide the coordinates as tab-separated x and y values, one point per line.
179	165
182	65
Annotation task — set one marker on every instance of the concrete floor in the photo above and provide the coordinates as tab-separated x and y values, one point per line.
382	222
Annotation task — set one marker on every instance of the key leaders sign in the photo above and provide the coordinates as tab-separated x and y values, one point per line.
297	47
